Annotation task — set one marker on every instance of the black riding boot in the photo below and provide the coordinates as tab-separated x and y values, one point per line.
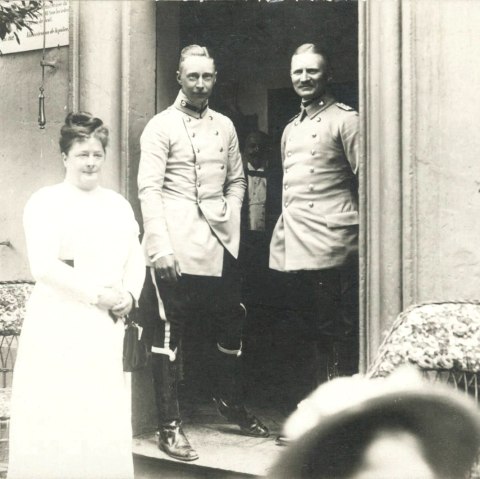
228	395
171	438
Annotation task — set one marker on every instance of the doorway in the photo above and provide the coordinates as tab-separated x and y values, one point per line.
252	43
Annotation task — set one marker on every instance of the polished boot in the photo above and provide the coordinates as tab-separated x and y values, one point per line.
237	414
165	387
172	441
228	395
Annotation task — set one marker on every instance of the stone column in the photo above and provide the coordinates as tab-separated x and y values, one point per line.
112	75
380	178
419	71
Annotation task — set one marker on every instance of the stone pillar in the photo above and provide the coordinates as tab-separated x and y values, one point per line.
420	170
112	75
98	61
380	179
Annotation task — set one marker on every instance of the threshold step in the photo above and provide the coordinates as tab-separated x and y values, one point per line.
220	445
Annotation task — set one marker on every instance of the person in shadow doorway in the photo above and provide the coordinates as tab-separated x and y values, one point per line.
260	211
256	216
191	187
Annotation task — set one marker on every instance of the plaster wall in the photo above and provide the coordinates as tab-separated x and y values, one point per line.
420	180
447	149
29	157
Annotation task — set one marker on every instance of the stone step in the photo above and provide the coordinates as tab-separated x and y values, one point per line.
222	448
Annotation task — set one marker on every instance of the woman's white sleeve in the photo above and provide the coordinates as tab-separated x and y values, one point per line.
134	273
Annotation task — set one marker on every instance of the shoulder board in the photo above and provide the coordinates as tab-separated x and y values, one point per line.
344	107
293	117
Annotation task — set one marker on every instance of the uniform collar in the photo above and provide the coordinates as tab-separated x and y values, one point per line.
314	107
181	103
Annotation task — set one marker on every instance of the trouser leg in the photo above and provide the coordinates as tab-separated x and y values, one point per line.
227	382
295	371
337	302
228	390
349	348
164	300
165	388
228	318
227	356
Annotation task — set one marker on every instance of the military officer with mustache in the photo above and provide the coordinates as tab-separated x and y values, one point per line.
315	241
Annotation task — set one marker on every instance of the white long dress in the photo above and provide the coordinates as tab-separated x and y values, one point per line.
70	411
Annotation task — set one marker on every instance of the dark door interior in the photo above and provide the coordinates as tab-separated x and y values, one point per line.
252	43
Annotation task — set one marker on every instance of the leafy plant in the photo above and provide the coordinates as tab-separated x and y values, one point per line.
16	15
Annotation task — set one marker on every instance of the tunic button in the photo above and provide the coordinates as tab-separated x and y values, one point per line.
211	117
216	133
310	187
286	204
310	204
313	152
199	184
221	149
289	153
193	135
314	135
222	167
198	150
286	187
189	119
319	119
296	123
312	170
286	170
199	200
199	167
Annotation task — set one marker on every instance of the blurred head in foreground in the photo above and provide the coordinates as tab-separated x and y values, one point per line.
401	427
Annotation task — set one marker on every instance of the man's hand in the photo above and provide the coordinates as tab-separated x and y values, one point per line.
168	268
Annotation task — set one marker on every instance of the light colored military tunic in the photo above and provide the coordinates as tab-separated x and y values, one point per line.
191	186
318	227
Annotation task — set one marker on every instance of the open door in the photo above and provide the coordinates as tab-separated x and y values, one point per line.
252	43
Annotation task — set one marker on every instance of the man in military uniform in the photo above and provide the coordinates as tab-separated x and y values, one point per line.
191	187
315	241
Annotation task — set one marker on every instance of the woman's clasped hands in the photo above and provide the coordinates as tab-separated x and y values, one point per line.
118	301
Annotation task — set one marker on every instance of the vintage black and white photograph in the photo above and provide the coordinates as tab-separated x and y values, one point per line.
239	239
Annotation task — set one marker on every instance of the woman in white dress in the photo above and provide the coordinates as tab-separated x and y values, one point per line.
70	411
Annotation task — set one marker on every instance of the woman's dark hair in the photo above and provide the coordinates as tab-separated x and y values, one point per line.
80	126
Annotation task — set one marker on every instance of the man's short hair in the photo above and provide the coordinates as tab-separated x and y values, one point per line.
314	48
194	51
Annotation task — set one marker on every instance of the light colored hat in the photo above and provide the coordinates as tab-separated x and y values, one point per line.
447	422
